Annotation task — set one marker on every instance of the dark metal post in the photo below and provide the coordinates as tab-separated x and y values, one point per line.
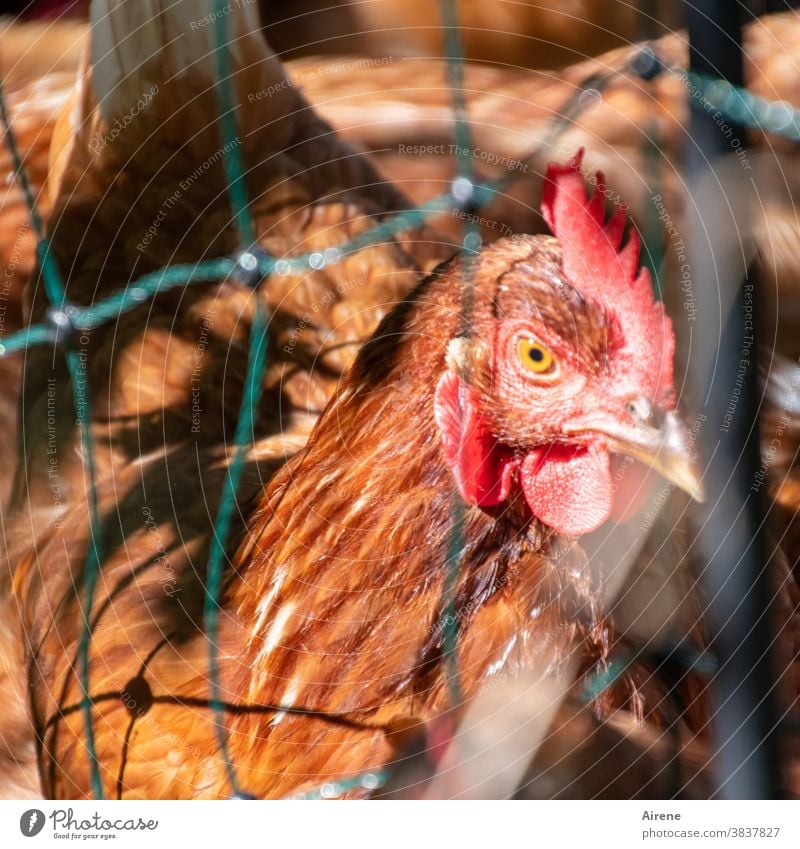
733	540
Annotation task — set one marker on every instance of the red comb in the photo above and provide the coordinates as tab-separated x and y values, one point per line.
608	274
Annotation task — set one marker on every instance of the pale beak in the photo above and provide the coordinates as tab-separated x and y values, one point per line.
661	441
667	450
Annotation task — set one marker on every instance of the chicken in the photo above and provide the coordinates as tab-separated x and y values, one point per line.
330	638
527	443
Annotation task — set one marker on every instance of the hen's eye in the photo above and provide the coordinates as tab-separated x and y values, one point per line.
535	357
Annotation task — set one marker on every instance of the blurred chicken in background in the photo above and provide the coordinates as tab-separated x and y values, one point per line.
527	34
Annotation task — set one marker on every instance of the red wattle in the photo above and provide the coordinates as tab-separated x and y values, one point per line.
481	466
568	489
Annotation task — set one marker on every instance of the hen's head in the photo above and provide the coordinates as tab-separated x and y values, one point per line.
567	362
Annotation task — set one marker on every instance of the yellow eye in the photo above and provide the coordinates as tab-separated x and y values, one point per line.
535	357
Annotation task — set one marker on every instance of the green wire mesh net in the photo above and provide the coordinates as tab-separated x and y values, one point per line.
252	262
